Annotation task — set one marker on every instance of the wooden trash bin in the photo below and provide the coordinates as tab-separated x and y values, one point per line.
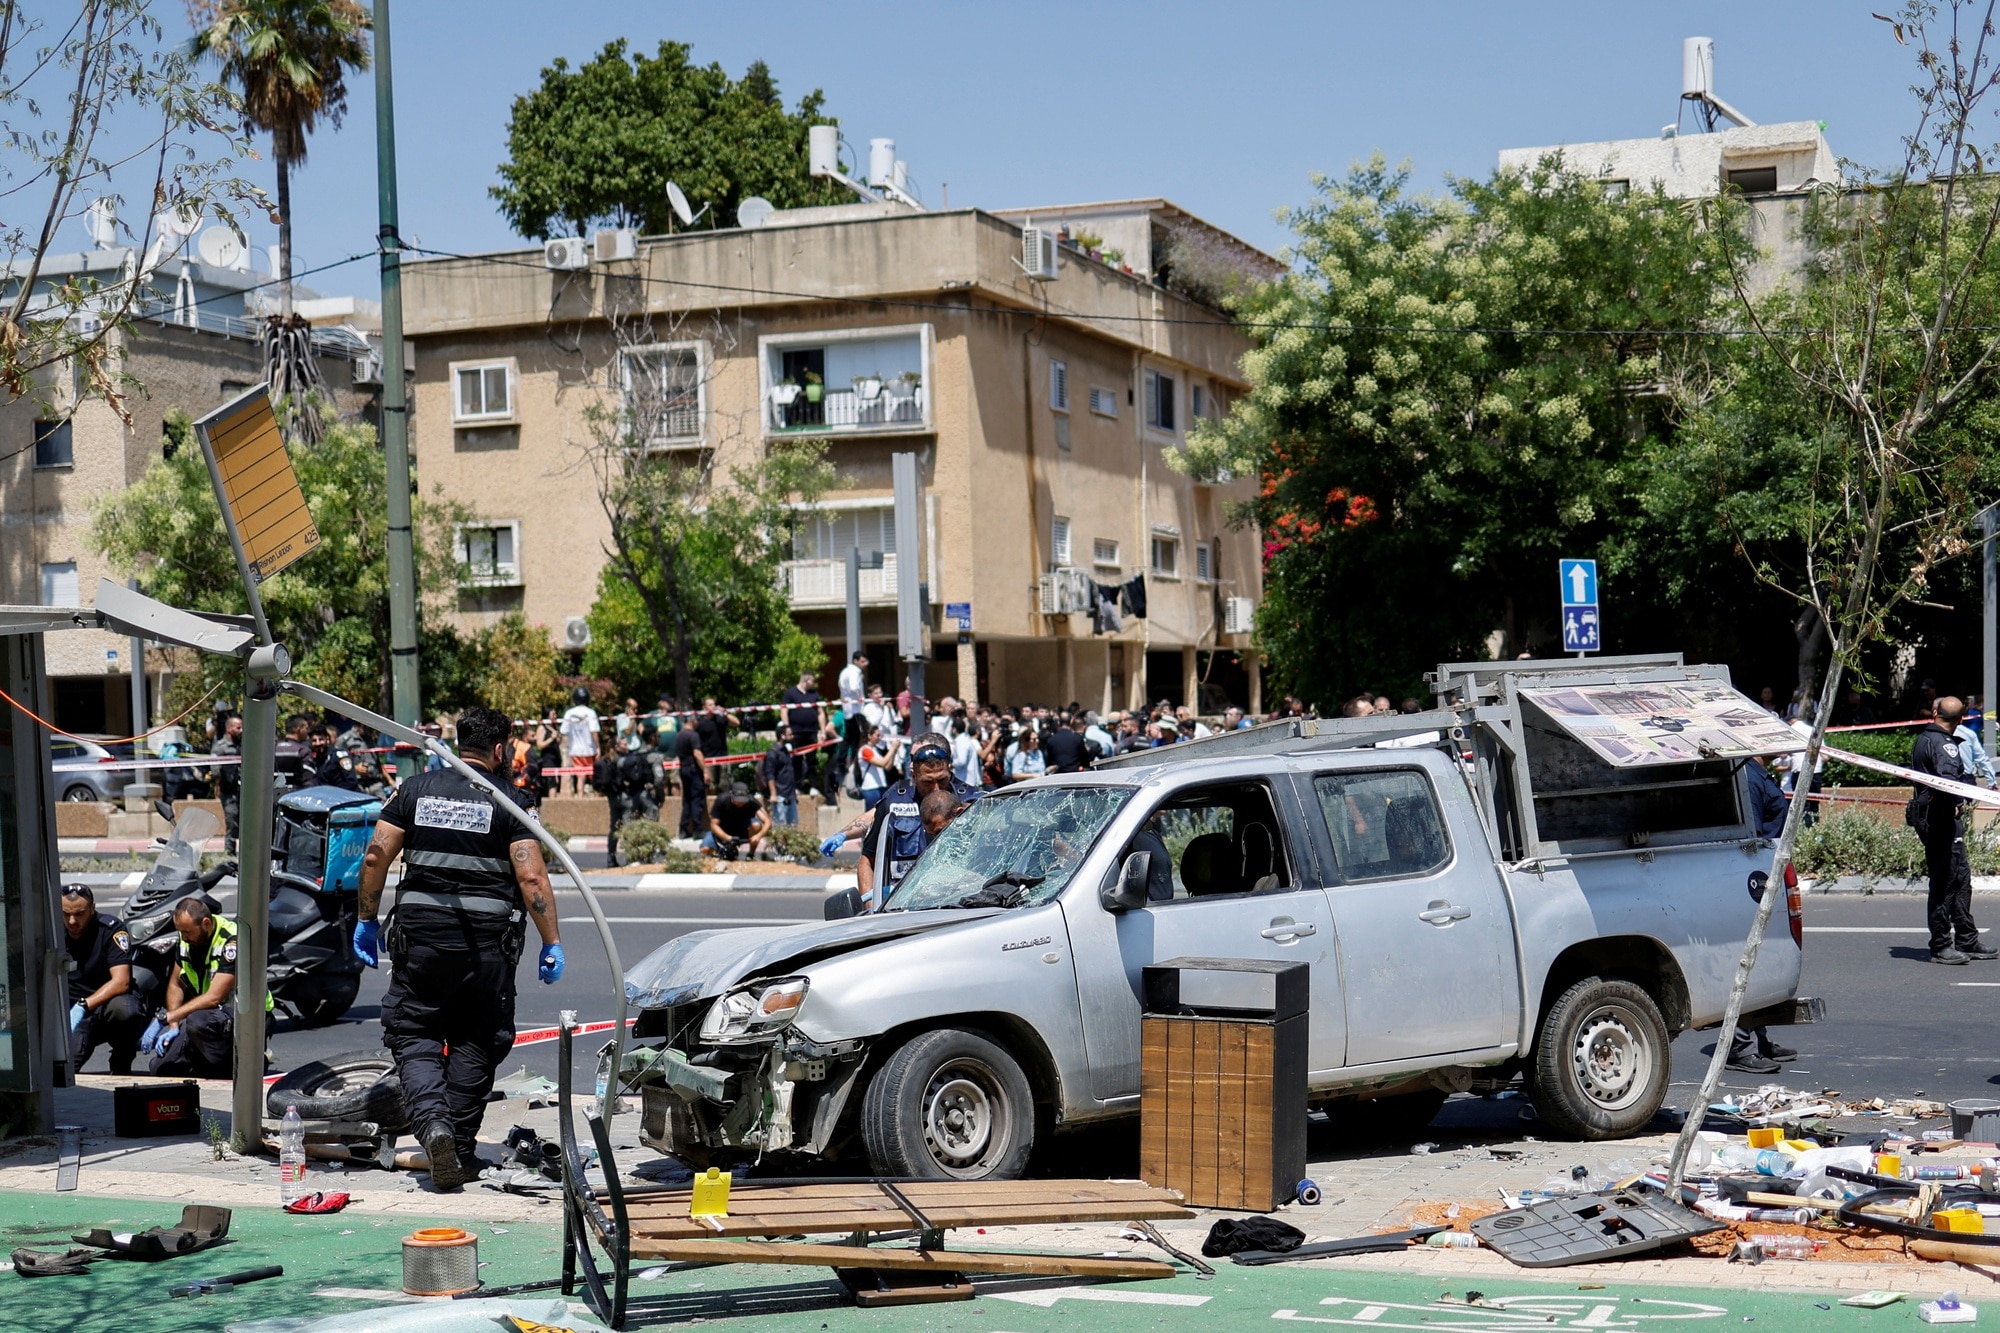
1222	1105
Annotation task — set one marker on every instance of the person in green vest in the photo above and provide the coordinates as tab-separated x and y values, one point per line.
196	1033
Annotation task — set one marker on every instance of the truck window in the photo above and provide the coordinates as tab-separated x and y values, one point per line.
1385	824
1213	841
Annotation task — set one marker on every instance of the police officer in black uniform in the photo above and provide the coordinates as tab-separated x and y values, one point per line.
103	1008
1936	817
471	873
897	837
326	766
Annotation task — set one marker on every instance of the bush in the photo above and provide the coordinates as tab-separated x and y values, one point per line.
1889	746
1847	842
649	842
795	843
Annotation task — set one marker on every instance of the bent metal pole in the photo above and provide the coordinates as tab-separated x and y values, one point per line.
265	665
546	838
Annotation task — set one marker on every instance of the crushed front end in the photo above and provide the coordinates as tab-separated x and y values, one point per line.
730	1075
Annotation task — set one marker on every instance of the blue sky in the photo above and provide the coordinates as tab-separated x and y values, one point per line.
1225	109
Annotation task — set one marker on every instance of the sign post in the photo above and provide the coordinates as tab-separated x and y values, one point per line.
1580	626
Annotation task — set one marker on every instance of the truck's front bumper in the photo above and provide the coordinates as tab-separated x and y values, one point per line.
786	1094
1798	1009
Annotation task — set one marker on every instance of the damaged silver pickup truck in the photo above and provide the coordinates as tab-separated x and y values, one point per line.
1547	876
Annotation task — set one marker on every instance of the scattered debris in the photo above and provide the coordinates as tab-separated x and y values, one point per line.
1873	1300
1586	1228
208	1286
1385	1243
202	1225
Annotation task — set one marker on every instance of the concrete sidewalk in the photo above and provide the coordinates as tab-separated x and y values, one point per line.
832	881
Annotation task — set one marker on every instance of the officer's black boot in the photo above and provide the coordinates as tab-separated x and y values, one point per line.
441	1146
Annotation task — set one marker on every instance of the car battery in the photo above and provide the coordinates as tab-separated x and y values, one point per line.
155	1110
1222	1102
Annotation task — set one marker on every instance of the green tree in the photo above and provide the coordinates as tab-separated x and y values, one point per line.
331	609
1436	416
522	668
691	593
599	143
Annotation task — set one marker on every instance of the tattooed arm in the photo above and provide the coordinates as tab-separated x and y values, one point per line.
533	876
382	850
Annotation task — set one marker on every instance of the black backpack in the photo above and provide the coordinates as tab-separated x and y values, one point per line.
604	775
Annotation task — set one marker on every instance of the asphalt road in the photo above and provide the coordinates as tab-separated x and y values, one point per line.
1898	1025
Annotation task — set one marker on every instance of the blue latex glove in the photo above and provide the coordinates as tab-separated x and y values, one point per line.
152	1034
167	1036
550	970
367	938
832	845
76	1013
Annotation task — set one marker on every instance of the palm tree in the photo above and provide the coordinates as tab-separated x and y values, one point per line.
288	60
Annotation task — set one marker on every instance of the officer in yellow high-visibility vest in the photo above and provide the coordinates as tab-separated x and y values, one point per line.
196	1033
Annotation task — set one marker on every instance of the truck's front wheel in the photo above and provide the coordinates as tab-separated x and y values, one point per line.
1601	1060
949	1105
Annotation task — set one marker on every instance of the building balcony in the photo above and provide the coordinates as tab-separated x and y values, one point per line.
812	584
846	411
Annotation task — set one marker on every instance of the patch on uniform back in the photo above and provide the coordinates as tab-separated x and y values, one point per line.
465	816
902	809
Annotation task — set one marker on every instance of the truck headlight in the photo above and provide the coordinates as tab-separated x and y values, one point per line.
766	1006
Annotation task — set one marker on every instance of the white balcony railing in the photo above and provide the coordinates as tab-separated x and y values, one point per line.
843	410
824	582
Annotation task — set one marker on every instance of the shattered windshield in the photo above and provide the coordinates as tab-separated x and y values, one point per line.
1011	849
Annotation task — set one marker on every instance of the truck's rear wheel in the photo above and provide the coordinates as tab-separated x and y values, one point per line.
1601	1060
949	1105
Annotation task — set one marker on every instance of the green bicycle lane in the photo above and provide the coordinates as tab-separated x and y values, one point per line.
349	1261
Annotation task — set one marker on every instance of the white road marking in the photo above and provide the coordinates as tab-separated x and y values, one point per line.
1867	930
1976	983
695	920
1048	1298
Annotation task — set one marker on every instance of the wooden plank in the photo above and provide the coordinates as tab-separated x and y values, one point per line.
1153	1100
832	1223
1179	1100
933	1261
1203	1112
774	1204
936	1191
1235	1102
1259	1072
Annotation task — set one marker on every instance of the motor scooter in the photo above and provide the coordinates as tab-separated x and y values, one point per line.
310	967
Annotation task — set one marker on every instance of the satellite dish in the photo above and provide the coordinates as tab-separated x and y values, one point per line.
754	212
219	248
178	222
680	203
101	221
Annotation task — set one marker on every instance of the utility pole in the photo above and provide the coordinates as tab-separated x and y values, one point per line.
407	706
910	610
1989	678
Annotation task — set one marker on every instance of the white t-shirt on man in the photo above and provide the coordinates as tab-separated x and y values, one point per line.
853	687
579	730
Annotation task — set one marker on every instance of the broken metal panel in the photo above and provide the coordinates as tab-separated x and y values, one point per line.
1586	1228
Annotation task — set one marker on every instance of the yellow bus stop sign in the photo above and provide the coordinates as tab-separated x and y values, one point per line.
261	499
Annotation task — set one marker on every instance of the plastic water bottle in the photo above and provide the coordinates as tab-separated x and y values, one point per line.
1784	1247
291	1157
1452	1240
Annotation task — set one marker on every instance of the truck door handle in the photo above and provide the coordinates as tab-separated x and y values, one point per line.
1442	913
1286	929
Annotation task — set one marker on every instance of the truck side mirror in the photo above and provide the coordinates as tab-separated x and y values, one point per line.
1128	891
842	905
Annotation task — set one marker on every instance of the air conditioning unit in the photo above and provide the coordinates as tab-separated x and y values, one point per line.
566	252
576	632
1038	254
368	369
1239	615
1067	592
84	324
615	243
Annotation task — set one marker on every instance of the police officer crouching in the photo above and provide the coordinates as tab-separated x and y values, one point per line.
103	1009
897	837
471	870
196	1033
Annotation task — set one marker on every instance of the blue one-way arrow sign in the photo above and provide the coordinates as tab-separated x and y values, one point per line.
1579	582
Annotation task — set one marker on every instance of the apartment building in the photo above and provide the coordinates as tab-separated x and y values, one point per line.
1040	406
195	342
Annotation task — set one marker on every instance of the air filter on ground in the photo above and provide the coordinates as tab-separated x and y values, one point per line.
440	1261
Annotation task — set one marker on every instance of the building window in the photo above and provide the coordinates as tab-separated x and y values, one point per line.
485	392
1751	180
59	585
53	449
1166	556
1062	433
663	392
491	553
1615	189
1204	561
1159	400
1104	553
1059	541
1197	401
1104	401
1059	385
